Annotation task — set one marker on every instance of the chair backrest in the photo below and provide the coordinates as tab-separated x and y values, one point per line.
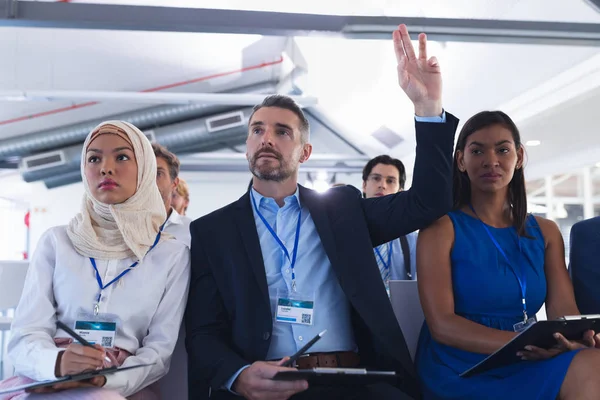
174	385
12	279
583	265
407	307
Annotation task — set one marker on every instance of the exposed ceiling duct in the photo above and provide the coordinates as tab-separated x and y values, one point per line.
185	137
148	118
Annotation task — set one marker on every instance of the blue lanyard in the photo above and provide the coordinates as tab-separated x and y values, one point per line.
389	258
279	242
521	277
122	274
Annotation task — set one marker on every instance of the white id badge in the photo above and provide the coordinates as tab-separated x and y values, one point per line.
295	309
521	326
97	329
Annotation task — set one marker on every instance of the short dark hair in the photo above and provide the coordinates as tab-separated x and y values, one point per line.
387	160
171	159
287	103
517	194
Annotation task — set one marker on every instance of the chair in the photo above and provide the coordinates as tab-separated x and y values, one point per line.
583	265
12	279
404	296
174	385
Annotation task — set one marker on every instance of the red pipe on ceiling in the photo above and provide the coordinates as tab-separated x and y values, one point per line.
154	89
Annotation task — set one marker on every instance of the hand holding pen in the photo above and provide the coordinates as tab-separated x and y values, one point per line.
79	357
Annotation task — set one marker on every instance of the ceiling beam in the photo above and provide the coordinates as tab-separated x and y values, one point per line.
226	99
173	19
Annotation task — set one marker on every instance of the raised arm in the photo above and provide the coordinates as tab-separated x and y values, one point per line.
430	195
437	299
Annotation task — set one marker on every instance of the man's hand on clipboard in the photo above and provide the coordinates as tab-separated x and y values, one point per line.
532	353
256	382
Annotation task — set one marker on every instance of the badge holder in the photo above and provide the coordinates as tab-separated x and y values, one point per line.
97	328
526	323
295	308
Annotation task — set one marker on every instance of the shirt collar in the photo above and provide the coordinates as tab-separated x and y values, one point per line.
174	218
261	201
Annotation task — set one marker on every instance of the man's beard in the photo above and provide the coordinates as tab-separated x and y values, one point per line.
267	172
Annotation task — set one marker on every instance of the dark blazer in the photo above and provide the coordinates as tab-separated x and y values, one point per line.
583	265
228	317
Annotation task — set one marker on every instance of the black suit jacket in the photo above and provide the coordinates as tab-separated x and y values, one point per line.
228	317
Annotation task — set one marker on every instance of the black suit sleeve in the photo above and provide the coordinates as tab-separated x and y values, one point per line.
430	196
208	332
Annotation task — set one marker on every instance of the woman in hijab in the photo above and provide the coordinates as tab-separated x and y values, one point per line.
111	275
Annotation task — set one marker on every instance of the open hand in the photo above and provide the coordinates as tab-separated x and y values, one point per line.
419	77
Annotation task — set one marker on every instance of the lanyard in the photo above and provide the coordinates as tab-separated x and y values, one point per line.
279	242
521	277
122	274
387	265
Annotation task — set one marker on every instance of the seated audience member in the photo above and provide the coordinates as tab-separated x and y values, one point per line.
181	197
167	181
281	241
112	264
381	176
583	265
485	270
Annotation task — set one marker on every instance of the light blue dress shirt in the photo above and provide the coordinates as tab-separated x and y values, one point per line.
397	261
314	277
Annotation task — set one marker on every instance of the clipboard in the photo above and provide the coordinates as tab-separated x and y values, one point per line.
540	335
72	378
337	376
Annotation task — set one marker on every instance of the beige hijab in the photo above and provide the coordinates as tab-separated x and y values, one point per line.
126	230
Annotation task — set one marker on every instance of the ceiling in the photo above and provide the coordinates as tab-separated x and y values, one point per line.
552	91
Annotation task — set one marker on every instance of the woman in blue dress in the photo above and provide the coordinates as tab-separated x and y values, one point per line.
484	270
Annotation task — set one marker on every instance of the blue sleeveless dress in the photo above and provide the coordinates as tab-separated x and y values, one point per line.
487	291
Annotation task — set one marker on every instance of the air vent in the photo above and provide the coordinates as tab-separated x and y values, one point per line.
41	161
225	121
388	137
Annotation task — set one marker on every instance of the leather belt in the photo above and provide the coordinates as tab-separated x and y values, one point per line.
341	359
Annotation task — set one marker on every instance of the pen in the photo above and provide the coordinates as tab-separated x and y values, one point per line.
303	350
75	336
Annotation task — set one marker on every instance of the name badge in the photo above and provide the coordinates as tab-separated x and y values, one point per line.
97	332
295	311
521	326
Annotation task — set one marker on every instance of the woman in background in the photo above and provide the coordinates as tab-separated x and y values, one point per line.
181	197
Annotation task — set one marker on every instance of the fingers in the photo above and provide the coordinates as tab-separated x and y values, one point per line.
570	344
398	49
282	361
406	43
77	358
433	63
422	46
533	353
96	353
588	339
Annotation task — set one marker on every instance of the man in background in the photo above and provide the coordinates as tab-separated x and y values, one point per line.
384	175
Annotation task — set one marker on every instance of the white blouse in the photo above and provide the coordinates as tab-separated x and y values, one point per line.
149	302
179	226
